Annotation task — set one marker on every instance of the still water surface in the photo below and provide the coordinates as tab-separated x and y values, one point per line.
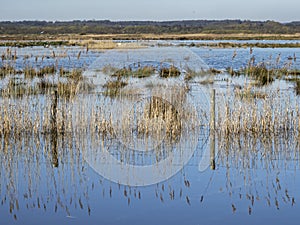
200	179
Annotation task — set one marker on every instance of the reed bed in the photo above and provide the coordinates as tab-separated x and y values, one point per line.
239	112
244	112
165	116
258	113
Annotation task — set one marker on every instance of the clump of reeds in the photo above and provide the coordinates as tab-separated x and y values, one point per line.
75	74
31	72
172	71
260	73
67	89
74	84
264	73
249	93
46	70
140	72
9	55
294	72
121	73
297	87
143	72
45	86
16	87
204	77
97	44
191	74
164	114
7	70
264	115
109	69
113	87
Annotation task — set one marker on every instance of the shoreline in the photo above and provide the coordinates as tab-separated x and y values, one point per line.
109	41
196	36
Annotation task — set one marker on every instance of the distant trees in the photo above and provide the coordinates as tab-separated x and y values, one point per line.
153	27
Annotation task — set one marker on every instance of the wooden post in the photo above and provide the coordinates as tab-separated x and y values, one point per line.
53	132
212	130
212	151
53	119
213	111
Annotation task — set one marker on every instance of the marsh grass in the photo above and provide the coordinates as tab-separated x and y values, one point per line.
92	43
47	70
143	72
264	73
7	70
297	87
190	74
249	93
45	80
119	78
261	74
263	115
75	74
44	85
247	112
75	84
172	71
140	72
95	44
15	87
29	71
113	87
109	69
122	73
157	110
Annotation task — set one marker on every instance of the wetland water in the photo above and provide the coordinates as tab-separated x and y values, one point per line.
99	169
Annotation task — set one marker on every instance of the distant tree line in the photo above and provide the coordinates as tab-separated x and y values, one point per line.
148	27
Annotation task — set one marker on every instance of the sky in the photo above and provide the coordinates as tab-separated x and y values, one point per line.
154	10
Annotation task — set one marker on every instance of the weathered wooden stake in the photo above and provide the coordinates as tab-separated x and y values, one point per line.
212	151
213	111
212	130
53	119
53	131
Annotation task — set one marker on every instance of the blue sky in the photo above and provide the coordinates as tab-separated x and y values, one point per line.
53	10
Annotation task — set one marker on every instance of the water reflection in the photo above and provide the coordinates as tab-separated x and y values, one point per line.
260	169
41	172
251	173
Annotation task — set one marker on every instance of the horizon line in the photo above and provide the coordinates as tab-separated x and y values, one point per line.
146	20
